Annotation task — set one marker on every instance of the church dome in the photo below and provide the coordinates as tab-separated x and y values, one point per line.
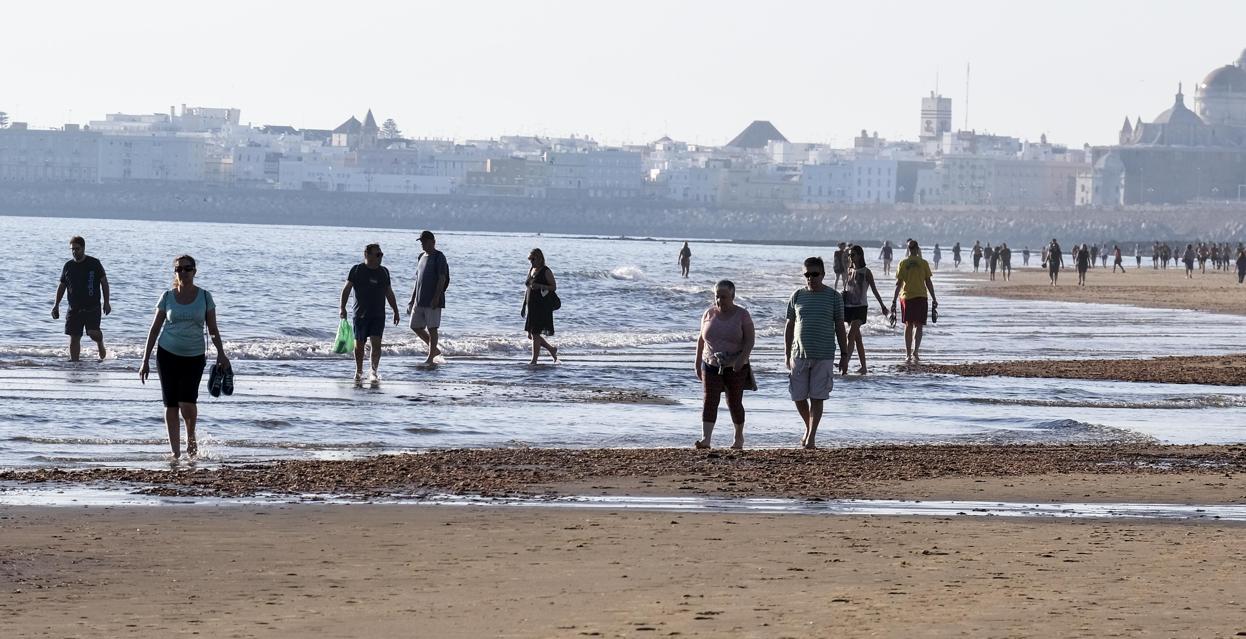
1226	79
1179	114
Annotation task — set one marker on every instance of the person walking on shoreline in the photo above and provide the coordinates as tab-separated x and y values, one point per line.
1241	265
723	350
428	298
886	255
1025	255
977	255
371	283
1188	257
1081	258
956	256
538	305
857	286
913	285
1116	259
938	255
1055	259
838	262
84	279
815	315
1005	261
685	259
181	315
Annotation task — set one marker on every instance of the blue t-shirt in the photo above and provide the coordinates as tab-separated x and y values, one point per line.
429	273
182	333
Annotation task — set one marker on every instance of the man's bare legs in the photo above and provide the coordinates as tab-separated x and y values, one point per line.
375	341
811	413
189	413
98	338
429	337
912	342
359	346
75	347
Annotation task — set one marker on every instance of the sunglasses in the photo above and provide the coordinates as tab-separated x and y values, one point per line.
378	255
183	269
811	274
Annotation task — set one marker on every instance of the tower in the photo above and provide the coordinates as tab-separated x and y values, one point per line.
936	117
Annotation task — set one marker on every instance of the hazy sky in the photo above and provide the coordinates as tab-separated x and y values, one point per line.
619	71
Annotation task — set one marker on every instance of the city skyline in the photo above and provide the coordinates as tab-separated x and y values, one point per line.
695	71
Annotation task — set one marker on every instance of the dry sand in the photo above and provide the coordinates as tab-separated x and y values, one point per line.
435	571
1213	291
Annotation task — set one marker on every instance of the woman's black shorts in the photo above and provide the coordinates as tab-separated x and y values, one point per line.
179	377
855	313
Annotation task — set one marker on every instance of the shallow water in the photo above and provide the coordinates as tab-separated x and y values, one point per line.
627	332
103	496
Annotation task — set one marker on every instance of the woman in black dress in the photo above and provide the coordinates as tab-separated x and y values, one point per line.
538	305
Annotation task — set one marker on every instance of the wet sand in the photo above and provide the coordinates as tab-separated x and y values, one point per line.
855	472
1213	291
1217	370
435	571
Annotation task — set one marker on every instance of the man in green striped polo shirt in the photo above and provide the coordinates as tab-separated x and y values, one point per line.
814	314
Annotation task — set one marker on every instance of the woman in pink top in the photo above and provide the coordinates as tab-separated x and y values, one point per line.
722	361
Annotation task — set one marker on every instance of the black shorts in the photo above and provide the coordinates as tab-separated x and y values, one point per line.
179	377
79	319
366	327
855	314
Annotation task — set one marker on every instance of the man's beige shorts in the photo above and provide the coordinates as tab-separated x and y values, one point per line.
811	379
423	317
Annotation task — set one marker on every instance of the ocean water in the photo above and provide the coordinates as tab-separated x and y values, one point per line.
626	331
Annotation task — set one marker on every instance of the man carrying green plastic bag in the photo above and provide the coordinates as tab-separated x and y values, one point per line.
345	340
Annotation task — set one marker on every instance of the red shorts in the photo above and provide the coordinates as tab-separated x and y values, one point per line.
913	311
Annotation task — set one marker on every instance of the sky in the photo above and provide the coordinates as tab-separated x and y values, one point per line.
620	71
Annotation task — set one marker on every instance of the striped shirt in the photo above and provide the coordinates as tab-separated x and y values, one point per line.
816	314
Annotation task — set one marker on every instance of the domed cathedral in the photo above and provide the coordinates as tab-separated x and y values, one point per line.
1221	98
1181	156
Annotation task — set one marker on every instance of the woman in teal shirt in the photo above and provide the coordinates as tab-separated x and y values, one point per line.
181	353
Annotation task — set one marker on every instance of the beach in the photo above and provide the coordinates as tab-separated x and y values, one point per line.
365	570
1211	292
435	571
484	497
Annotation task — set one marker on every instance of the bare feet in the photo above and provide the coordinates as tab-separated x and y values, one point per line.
436	352
809	446
861	371
192	449
701	444
553	351
737	444
103	352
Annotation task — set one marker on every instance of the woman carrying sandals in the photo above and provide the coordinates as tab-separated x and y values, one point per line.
539	305
723	349
181	315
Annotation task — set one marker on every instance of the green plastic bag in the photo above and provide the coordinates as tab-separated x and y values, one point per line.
345	341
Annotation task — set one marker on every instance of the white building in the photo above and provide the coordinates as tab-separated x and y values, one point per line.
48	156
130	158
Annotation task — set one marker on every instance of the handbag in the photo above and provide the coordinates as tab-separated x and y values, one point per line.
555	303
750	383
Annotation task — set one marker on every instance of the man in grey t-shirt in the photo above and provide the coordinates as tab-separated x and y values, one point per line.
432	276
